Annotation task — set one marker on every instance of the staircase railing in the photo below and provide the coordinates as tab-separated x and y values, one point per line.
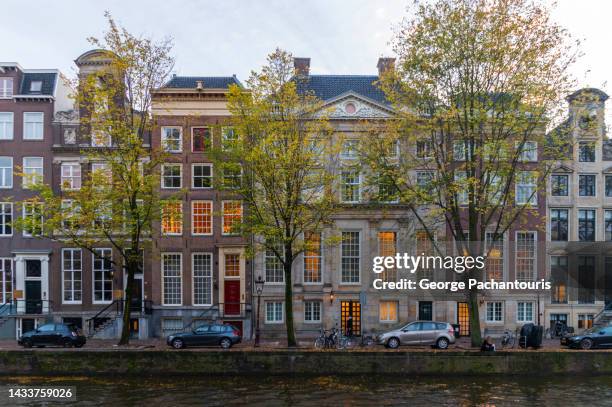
115	307
34	307
6	308
223	310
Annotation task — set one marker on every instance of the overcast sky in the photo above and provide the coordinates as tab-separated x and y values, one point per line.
225	37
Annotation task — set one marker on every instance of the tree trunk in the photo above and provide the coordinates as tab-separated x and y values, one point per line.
287	265
131	269
474	318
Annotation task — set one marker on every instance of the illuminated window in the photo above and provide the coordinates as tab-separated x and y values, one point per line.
232	216
559	276
494	267
201	217
172	218
312	257
585	321
388	311
387	246
232	264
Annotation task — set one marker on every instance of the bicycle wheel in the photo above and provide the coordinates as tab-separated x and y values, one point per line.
319	343
510	342
343	343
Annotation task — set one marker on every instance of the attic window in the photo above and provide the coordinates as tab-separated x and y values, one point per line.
35	86
350	108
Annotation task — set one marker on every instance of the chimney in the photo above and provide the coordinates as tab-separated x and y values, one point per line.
385	65
199	85
301	66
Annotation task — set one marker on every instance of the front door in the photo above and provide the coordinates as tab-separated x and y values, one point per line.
608	287
232	297
33	297
425	311
27	325
463	318
136	304
350	317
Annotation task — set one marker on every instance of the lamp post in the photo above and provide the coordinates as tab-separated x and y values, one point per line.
259	284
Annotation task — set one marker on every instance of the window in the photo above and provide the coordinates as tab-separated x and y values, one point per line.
201	176
387	190
172	139
312	311
559	185
350	149
71	176
525	256
529	151
559	276
100	138
33	171
6	87
312	257
33	123
70	214
6	280
33	217
461	187
350	188
524	312
172	218
171	326
172	176
202	278
586	279
387	311
102	173
495	311
423	149
232	176
586	151
72	275
608	225
559	224
585	321
232	264
201	139
6	125
232	216
36	86
387	246
424	180
201	217
586	185
273	265
425	247
6	172
350	257
228	137
526	184
586	225
274	312
172	265
494	259
102	278
609	185
6	219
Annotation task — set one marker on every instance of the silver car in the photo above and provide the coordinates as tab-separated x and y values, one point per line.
438	334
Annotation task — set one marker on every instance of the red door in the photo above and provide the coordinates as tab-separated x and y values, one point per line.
232	297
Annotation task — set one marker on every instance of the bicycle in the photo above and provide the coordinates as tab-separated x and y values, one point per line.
321	342
508	339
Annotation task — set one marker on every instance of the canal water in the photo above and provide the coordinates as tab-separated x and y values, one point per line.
325	391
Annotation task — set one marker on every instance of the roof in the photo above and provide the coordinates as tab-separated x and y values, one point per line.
592	91
327	87
209	82
48	83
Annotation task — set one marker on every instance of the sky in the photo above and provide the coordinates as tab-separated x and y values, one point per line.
225	37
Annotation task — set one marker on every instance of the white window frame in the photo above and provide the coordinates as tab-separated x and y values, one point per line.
212	224
193	166
5	93
321	262
28	179
164	233
37	126
180	277
223	216
533	199
352	152
73	280
6	295
163	176
72	177
388	302
224	138
102	271
342	281
164	142
275	321
7	127
494	321
4	171
462	194
211	138
203	277
24	214
38	88
535	254
3	222
272	257
518	311
310	303
488	243
528	154
353	184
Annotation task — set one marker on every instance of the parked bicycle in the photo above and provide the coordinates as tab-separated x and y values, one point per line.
508	339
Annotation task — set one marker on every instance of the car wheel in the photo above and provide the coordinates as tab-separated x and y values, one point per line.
67	343
393	343
442	343
178	344
225	343
586	343
27	343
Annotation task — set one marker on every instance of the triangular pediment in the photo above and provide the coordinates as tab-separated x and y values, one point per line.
351	105
563	169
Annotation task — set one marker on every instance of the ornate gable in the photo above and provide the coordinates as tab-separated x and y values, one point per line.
354	106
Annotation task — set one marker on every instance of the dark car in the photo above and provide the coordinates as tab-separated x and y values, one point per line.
596	337
53	335
225	336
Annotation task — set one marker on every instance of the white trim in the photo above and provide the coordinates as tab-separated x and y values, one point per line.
223	215
12	125
389	321
11	172
533	311
162	139
162	219
12	214
64	249
23	130
180	276
535	252
211	138
503	310
341	282
321	262
93	278
193	165
318	321
163	166
27	181
282	320
193	254
212	224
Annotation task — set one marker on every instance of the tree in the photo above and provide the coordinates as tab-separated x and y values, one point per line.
118	202
281	136
476	86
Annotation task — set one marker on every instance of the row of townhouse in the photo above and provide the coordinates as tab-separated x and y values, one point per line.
198	270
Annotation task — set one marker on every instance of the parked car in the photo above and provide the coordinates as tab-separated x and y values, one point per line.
438	334
225	336
596	337
53	335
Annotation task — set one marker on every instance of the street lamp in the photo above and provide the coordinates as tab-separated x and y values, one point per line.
259	284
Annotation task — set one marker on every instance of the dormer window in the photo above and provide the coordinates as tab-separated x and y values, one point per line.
36	86
6	87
